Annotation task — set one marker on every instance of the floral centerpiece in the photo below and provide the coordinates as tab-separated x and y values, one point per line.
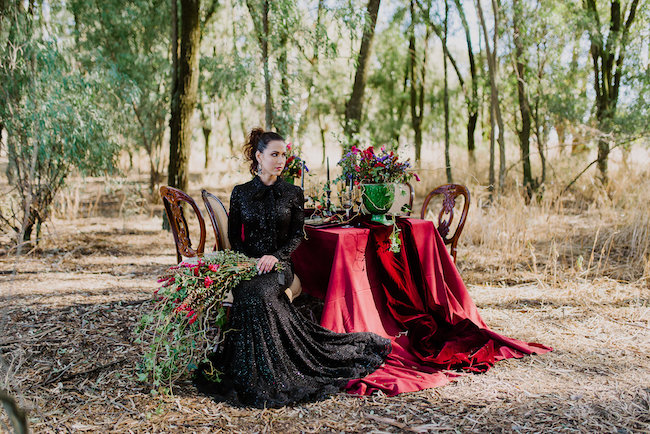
368	167
293	166
187	315
376	173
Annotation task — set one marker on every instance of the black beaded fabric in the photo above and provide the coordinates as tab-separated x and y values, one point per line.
273	356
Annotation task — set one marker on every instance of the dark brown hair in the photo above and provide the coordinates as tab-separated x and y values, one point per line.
257	140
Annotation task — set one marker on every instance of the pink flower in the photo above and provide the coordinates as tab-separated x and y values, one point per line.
417	178
207	282
213	267
289	146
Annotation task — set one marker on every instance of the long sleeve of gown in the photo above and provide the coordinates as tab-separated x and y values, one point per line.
284	251
235	222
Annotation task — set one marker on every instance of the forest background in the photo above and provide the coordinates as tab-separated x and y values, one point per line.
539	107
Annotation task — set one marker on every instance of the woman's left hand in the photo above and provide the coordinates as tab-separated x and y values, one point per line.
266	263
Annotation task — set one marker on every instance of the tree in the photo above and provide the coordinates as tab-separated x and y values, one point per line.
417	78
388	82
471	100
47	135
354	106
259	11
495	108
608	53
185	77
524	105
136	63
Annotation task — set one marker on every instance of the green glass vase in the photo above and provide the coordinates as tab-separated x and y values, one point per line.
377	199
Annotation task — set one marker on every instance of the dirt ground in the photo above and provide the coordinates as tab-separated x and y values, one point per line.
68	354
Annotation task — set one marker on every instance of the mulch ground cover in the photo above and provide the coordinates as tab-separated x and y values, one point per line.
68	310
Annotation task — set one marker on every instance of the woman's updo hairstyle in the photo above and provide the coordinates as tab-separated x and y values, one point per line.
258	139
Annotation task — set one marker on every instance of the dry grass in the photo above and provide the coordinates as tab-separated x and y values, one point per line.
572	273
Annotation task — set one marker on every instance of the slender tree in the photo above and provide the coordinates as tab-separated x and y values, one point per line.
354	106
417	80
471	99
608	55
185	96
259	11
446	97
524	104
495	108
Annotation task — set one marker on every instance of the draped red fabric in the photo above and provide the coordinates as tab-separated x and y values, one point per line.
416	297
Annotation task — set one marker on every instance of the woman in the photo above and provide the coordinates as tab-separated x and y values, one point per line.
273	356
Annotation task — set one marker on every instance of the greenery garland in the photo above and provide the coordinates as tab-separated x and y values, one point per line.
188	314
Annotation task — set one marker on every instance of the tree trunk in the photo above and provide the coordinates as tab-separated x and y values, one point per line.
264	42
207	131
188	64
446	99
354	106
417	81
260	15
231	143
607	58
524	106
322	137
495	109
283	121
472	103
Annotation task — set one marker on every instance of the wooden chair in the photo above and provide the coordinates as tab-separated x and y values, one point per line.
172	199
219	218
449	192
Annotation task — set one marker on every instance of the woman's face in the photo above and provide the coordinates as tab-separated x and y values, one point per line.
273	159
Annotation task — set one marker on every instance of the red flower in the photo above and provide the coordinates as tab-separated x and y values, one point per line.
196	271
207	282
194	318
213	267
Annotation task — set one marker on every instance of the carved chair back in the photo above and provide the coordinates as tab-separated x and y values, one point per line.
172	199
219	218
449	193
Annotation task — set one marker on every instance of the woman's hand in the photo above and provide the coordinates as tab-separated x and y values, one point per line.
266	263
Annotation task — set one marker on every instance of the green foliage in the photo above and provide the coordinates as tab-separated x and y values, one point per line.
128	45
188	314
52	121
390	97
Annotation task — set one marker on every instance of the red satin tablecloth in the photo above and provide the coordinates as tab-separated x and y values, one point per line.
415	297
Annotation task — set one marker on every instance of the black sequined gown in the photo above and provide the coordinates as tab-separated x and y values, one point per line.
274	356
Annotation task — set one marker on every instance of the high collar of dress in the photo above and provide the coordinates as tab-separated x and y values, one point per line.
262	190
